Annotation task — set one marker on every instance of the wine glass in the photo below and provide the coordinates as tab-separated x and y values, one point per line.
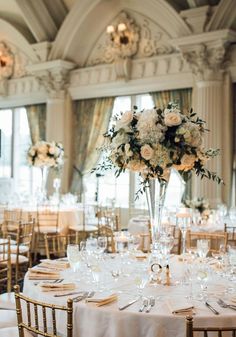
203	247
101	244
140	280
73	255
91	245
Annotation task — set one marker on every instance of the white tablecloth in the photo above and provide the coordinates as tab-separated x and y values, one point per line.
108	321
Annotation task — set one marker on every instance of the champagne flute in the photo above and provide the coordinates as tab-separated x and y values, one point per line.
184	223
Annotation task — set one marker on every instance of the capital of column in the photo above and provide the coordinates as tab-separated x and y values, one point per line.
207	54
53	75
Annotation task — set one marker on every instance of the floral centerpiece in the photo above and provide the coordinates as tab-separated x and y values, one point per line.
151	142
200	204
45	155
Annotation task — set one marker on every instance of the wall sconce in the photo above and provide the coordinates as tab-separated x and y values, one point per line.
123	44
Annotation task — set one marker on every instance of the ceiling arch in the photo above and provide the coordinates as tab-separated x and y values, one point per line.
11	34
72	40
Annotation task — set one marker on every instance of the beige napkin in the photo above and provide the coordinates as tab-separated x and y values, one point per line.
44	286
38	273
54	264
99	301
180	306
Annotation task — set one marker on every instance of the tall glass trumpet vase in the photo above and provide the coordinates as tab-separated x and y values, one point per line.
43	192
156	193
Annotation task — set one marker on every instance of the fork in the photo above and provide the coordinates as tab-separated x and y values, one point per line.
151	304
144	305
59	280
84	297
225	305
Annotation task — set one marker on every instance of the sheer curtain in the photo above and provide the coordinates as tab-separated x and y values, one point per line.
92	118
182	97
37	121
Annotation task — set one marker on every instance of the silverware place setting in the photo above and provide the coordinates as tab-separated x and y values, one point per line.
144	305
59	280
211	308
222	304
70	294
150	304
129	304
88	294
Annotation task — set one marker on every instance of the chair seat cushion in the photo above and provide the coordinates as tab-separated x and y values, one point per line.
22	259
47	229
7	301
80	228
7	318
22	249
13	242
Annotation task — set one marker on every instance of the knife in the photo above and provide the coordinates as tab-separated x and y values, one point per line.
211	308
130	303
69	294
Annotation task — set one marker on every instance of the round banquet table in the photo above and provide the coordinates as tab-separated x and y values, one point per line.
107	321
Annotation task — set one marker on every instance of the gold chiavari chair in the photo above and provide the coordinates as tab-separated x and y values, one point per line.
22	249
38	321
231	231
190	329
216	239
7	317
5	264
47	223
56	244
107	232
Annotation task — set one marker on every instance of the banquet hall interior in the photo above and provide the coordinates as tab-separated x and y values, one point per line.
117	168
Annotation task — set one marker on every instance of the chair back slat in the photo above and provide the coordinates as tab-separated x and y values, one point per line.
42	329
56	244
44	319
36	319
28	314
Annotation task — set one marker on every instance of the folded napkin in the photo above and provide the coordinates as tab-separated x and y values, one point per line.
54	264
46	286
180	306
103	300
38	273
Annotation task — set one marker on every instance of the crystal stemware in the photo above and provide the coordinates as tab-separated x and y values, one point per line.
184	223
203	247
73	255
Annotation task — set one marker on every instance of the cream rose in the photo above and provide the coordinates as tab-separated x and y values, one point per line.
172	119
126	118
147	152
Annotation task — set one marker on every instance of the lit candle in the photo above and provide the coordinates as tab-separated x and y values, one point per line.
110	29
122	27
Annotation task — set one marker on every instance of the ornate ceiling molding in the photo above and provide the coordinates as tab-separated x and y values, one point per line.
54	76
208	54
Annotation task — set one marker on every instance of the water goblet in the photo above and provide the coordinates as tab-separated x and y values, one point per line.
101	244
203	247
141	279
73	255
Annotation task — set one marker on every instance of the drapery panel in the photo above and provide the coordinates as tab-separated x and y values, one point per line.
37	121
182	97
91	120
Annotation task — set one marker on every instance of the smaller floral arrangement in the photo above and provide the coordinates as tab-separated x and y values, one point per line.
200	204
42	153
